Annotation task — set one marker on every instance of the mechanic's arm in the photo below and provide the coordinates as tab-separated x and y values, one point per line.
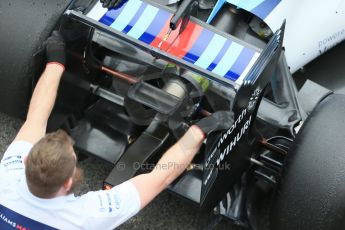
169	167
179	156
125	200
45	92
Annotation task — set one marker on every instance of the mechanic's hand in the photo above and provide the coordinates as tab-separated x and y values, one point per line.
55	49
219	120
111	3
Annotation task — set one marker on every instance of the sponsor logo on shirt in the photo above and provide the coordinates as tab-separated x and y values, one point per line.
108	202
12	220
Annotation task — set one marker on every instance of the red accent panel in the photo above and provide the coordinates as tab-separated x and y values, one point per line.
186	40
161	34
179	44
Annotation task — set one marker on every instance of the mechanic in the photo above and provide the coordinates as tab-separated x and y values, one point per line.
38	172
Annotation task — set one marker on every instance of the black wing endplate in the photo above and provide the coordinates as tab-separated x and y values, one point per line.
228	155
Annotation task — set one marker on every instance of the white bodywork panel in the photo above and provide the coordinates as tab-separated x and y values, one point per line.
312	28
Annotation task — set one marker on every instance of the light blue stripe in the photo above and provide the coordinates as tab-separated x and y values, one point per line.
236	2
215	10
244	4
144	22
229	59
211	52
126	15
249	4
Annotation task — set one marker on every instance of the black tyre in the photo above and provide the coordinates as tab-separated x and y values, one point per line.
312	191
24	25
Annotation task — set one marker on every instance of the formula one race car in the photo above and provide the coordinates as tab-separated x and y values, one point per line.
141	73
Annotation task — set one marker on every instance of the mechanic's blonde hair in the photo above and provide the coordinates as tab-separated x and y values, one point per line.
50	163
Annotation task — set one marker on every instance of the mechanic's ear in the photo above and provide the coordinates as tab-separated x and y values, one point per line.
68	184
25	159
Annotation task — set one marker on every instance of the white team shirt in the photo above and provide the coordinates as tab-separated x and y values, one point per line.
19	209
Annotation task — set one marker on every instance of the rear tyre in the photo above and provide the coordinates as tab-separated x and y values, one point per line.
24	25
312	191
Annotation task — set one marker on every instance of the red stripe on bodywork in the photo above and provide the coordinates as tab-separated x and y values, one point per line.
186	40
162	33
178	45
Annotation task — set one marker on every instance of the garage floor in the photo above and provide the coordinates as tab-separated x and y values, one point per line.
168	212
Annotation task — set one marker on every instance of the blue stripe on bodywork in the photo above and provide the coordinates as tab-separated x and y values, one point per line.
126	15
211	51
248	5
261	8
219	56
231	75
109	17
199	46
155	28
242	62
144	22
265	8
230	57
135	18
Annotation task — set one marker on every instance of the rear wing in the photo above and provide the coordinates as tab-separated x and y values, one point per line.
200	47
